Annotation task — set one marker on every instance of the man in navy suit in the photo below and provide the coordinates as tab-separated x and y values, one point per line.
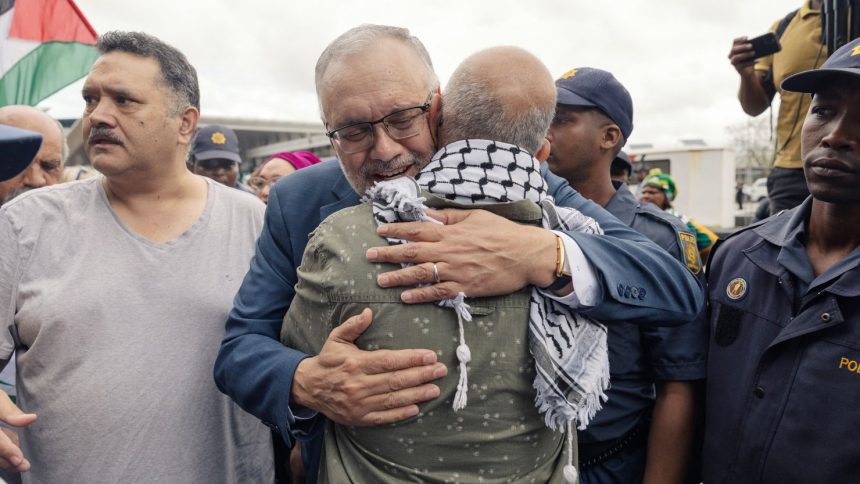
380	103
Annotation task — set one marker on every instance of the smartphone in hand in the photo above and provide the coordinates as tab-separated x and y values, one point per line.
765	45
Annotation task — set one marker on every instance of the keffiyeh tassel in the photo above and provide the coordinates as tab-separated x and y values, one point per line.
464	354
570	473
398	201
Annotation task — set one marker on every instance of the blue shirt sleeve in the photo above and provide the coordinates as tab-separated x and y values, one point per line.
673	353
677	353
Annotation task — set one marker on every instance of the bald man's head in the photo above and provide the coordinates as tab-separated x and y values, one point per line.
47	167
501	94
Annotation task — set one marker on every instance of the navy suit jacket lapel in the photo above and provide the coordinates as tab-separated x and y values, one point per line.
344	196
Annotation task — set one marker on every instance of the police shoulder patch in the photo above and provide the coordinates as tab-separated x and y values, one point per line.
690	251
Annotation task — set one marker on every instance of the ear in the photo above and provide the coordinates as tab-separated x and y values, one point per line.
544	151
435	115
611	136
188	124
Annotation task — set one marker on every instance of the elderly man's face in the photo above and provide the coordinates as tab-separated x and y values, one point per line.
46	168
367	86
830	143
126	123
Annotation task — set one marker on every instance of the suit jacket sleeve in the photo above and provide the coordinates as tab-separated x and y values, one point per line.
640	282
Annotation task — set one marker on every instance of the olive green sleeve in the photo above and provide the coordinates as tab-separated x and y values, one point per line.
308	321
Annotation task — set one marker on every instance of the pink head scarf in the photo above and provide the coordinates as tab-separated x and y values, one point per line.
299	159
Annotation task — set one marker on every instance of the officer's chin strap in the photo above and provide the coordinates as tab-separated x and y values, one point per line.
570	473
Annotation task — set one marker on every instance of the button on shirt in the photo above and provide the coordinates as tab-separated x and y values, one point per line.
783	380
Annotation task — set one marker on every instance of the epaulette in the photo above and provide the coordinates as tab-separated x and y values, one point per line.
751	226
739	231
663	216
684	236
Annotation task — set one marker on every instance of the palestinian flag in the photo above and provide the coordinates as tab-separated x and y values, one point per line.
45	45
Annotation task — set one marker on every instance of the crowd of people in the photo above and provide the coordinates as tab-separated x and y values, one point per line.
469	292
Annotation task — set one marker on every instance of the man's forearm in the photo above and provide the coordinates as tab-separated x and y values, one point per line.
671	435
639	281
473	252
543	268
752	95
261	389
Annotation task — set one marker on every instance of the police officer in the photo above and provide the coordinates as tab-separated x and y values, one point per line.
215	155
621	168
783	382
645	430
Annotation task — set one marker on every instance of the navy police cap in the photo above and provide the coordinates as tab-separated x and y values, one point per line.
216	142
18	147
590	87
844	62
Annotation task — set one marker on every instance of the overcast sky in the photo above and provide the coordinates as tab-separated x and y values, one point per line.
255	58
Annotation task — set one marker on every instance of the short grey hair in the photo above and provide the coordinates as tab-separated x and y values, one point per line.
474	109
365	36
177	73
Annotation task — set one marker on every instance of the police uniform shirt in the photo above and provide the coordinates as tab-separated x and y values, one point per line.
784	364
639	355
793	256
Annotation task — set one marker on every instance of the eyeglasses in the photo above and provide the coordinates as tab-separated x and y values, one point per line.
257	183
358	137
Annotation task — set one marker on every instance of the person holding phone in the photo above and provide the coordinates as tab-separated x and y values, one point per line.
761	72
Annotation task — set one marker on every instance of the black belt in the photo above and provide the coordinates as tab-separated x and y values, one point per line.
599	452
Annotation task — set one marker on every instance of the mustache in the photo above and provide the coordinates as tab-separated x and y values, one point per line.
372	167
105	134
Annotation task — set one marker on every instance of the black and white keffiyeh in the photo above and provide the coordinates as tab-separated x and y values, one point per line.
569	349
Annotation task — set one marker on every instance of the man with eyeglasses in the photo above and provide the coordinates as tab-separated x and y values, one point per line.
380	103
215	155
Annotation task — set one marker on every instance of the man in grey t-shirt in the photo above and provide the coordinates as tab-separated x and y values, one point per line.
109	289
